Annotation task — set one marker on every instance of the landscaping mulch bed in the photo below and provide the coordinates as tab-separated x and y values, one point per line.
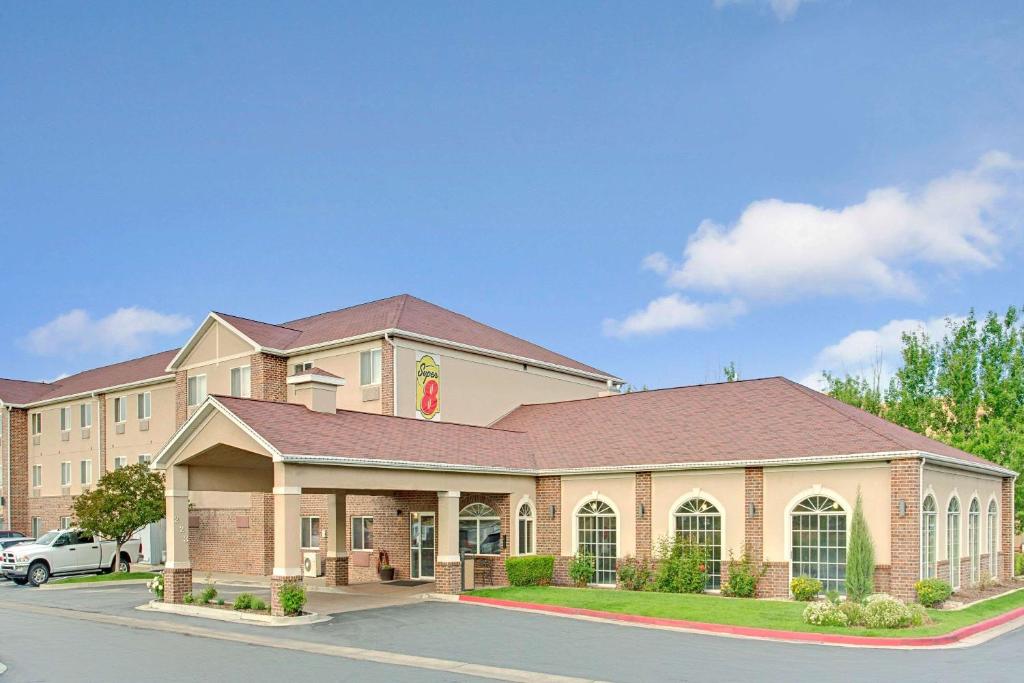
968	595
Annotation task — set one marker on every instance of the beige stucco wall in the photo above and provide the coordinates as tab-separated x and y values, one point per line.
478	390
944	483
724	488
343	362
136	441
52	450
786	486
218	343
619	490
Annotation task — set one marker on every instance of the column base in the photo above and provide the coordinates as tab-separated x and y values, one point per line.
177	583
276	583
336	571
448	577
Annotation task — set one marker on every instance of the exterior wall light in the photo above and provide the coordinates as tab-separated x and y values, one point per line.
903	508
751	510
642	510
553	512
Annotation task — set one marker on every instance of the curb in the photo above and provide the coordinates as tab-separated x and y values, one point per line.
92	584
231	615
950	638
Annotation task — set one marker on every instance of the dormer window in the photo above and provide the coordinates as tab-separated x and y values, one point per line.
369	367
300	368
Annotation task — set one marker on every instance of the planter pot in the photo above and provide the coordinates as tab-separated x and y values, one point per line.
387	574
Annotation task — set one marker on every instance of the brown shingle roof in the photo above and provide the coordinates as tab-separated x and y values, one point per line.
18	391
403	312
754	420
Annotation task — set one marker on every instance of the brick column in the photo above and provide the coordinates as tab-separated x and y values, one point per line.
549	526
447	567
101	425
269	377
178	568
180	398
1006	532
177	583
753	518
336	562
387	379
905	529
276	583
17	506
643	515
287	537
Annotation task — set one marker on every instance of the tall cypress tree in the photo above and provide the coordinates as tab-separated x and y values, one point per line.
860	558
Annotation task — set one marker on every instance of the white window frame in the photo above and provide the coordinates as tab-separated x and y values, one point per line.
974	539
85	472
195	390
37	527
85	415
37	424
144	405
712	509
244	373
360	544
496	517
529	522
120	410
65	473
299	368
37	476
306	532
993	537
577	513
120	461
953	534
374	369
65	523
145	459
929	539
65	419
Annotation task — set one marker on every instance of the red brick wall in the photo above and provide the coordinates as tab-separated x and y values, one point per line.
177	582
753	526
775	582
905	530
269	377
643	515
1006	532
180	398
18	474
221	544
49	510
549	528
387	379
102	426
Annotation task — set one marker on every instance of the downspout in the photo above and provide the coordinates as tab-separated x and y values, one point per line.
394	374
5	412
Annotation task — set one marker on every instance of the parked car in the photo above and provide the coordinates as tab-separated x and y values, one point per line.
11	534
11	542
63	552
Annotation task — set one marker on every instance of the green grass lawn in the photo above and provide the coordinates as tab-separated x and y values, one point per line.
98	578
773	614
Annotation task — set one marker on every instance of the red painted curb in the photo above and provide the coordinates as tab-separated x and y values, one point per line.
794	636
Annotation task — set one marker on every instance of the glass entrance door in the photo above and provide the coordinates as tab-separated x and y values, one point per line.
421	533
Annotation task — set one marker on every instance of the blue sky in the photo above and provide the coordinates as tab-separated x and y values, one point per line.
654	190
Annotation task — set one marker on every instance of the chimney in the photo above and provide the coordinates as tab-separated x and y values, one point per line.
317	389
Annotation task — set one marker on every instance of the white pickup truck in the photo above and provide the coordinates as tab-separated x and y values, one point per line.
66	551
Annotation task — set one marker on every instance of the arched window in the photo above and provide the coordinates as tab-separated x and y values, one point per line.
527	542
479	530
953	541
929	538
819	542
974	539
597	536
993	538
701	522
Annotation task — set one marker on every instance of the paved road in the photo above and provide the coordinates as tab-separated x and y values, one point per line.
31	645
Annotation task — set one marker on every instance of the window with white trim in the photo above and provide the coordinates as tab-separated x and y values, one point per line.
120	410
37	476
953	541
65	473
310	533
597	536
700	522
929	538
145	405
65	419
145	459
479	530
37	527
85	472
120	461
65	522
300	368
974	539
369	367
362	533
196	390
85	415
241	381
993	538
527	530
37	424
819	542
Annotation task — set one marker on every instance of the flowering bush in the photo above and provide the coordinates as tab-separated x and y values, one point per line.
932	592
682	565
156	586
883	611
825	613
854	612
804	588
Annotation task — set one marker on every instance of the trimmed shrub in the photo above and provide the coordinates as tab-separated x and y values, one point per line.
854	612
860	558
918	615
932	592
634	573
825	613
258	605
581	569
883	611
243	601
743	577
804	588
682	566
1018	564
188	599
207	595
530	570
292	597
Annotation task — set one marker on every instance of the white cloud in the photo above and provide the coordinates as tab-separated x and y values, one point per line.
124	330
673	312
783	9
864	352
779	250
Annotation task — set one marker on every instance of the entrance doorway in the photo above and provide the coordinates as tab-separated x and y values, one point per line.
421	533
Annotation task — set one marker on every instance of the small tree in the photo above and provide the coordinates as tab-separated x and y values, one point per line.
860	559
122	504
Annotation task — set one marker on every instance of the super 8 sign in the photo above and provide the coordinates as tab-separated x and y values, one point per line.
428	386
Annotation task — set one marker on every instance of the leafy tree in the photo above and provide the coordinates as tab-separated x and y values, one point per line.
856	391
122	504
730	372
860	557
